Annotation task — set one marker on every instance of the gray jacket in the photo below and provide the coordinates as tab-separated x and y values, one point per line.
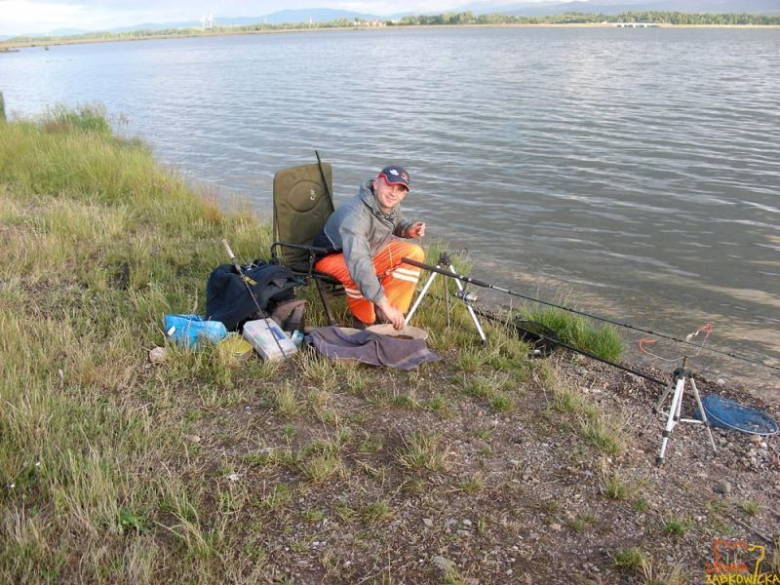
360	228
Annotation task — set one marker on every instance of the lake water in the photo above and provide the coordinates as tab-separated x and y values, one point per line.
633	173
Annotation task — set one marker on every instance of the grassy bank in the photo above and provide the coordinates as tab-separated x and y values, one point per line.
483	467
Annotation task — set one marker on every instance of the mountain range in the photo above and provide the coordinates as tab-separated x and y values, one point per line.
317	15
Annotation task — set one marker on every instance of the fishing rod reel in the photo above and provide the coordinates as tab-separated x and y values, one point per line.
466	297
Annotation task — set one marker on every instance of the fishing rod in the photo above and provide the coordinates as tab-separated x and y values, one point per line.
483	284
520	329
248	282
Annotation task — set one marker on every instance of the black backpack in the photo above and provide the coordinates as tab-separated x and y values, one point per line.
228	299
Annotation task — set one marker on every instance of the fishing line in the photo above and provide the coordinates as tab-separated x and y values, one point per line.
484	284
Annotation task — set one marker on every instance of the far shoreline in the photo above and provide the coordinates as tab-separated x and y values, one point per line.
9	46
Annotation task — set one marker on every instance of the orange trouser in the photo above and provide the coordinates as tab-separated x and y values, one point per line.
398	279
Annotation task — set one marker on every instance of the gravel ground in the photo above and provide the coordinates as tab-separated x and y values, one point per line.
501	494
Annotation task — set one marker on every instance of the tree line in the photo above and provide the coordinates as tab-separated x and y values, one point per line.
679	18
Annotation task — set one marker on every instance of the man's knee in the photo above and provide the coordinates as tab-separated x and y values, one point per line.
415	253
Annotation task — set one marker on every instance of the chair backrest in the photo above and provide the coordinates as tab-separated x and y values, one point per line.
302	205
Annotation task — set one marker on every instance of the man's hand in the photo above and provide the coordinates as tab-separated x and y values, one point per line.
416	230
392	314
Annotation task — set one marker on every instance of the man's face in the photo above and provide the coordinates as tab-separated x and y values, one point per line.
388	196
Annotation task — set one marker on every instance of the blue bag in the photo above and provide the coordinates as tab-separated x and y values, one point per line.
191	330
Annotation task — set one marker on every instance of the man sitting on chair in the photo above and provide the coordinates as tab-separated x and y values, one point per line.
365	257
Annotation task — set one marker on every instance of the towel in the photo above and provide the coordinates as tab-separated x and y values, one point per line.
371	348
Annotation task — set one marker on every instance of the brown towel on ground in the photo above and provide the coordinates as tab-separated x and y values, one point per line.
371	348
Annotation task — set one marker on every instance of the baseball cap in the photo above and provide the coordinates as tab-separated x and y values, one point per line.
395	175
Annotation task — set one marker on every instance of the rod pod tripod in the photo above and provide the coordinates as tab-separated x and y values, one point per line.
680	378
467	298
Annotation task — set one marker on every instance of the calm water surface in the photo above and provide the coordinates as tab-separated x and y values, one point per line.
634	173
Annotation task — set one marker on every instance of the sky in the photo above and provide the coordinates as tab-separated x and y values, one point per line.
36	16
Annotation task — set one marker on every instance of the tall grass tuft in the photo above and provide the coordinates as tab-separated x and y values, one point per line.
88	118
576	330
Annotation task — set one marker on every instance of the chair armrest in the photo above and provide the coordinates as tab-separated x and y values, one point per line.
311	249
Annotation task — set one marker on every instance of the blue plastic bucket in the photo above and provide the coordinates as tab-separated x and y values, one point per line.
191	330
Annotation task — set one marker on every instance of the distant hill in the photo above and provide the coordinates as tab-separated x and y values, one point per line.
769	7
317	15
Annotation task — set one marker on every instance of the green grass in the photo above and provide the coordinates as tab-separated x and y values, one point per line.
376	512
98	243
752	509
616	488
423	451
472	486
677	527
630	561
581	332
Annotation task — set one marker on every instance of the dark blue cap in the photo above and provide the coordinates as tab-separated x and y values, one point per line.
395	175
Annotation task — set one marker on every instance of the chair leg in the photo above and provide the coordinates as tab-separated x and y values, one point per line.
324	298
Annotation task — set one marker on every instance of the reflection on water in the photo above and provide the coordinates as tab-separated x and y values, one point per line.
636	170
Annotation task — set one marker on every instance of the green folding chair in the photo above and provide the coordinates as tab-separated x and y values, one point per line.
302	203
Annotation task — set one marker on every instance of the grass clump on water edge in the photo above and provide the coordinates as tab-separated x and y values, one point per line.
580	332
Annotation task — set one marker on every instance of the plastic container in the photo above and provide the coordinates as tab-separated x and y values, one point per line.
297	338
236	346
192	330
267	338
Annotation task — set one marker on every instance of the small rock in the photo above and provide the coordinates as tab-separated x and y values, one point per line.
555	526
720	382
193	438
443	564
450	523
158	355
428	522
723	487
755	438
467	523
464	533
